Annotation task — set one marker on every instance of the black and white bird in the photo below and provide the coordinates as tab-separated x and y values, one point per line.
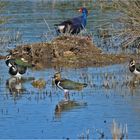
134	67
17	70
74	25
66	85
17	67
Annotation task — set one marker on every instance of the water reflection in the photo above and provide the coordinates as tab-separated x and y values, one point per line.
98	103
67	105
134	84
15	86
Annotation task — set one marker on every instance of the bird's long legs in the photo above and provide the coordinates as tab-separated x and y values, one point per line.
66	95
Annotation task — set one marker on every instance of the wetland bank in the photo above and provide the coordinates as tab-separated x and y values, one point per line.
109	104
67	51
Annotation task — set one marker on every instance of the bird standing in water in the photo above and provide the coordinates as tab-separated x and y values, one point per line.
74	25
66	85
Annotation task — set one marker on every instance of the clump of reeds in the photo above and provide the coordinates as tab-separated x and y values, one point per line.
130	17
119	131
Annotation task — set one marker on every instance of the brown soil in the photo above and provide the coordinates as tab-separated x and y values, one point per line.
2	57
67	51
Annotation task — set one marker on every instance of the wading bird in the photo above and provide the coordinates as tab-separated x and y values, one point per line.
66	85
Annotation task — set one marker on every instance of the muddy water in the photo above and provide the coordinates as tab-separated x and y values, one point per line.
28	112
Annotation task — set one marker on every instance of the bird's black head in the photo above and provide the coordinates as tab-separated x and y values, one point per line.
83	10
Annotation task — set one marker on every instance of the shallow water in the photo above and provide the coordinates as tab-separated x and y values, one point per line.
30	112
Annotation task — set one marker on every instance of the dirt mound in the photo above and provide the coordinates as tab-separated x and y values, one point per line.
68	51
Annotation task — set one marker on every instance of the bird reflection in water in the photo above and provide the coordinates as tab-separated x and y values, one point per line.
66	105
15	85
134	84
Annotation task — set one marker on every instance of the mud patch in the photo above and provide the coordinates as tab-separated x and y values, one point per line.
67	51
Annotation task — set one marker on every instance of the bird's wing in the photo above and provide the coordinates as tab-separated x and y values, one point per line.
69	22
22	63
71	85
137	65
77	21
74	25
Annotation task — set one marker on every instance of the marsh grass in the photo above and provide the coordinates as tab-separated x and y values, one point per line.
9	39
129	18
118	131
50	33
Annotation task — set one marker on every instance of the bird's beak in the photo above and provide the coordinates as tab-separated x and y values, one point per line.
80	10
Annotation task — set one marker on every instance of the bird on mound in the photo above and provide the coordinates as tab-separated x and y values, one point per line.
134	67
17	67
66	85
74	25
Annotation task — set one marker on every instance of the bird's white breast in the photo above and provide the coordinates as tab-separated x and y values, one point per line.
136	72
18	75
59	85
61	27
9	65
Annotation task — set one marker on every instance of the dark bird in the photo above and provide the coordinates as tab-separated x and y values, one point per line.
63	106
74	25
134	67
17	67
66	85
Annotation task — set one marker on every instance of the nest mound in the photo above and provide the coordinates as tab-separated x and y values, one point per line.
68	51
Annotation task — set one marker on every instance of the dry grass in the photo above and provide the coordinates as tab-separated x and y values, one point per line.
119	131
130	18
